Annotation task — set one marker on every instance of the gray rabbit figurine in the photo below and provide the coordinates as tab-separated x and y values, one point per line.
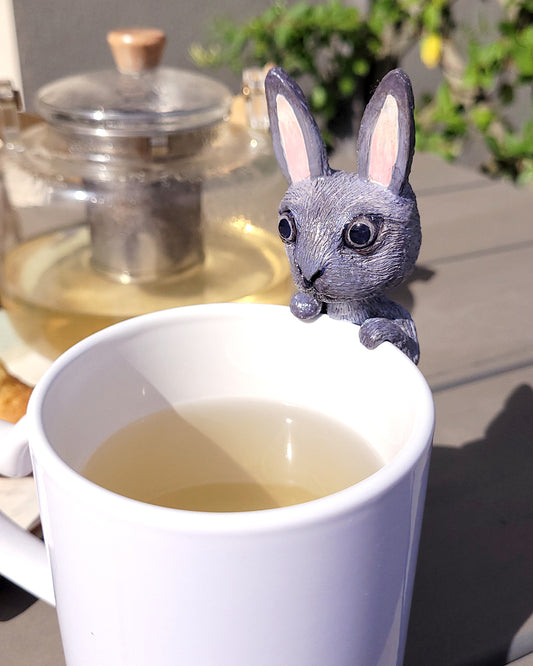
349	236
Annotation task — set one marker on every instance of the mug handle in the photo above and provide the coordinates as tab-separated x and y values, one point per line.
23	557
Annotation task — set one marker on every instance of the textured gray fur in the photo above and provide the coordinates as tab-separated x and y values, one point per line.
333	277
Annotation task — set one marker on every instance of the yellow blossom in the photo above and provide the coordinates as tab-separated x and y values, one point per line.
431	50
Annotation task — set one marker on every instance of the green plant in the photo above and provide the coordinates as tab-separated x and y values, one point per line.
339	53
478	93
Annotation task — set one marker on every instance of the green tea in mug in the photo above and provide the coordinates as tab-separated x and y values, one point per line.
232	455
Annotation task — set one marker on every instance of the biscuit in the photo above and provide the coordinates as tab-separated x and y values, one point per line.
14	396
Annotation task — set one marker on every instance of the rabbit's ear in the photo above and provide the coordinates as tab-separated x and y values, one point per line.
387	136
298	145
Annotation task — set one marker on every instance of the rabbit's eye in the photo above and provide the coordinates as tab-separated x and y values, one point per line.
361	232
287	227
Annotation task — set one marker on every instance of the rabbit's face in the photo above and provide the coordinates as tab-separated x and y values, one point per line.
347	238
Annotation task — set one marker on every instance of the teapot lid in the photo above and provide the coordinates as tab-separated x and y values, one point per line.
139	98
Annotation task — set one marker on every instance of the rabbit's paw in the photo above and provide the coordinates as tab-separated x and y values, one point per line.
376	330
305	306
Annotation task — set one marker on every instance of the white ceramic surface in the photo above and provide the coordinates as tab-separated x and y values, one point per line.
325	582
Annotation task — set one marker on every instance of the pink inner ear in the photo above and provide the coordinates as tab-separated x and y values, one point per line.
384	145
292	140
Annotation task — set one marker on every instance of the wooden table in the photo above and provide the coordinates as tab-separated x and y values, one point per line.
473	305
472	300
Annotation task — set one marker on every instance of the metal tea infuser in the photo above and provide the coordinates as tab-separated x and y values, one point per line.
142	188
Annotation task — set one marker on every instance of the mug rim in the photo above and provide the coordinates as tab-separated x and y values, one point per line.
313	511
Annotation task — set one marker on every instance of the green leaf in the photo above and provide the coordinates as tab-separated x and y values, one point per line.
493	145
360	67
319	97
522	52
432	17
482	117
283	35
347	86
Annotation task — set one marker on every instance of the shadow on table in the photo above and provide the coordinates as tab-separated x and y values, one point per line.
474	582
13	600
403	294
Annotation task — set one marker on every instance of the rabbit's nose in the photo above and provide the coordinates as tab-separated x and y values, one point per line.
314	277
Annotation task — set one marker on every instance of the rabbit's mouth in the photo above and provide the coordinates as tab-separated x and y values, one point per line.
332	295
305	283
310	283
314	286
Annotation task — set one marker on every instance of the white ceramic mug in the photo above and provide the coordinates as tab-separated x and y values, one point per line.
325	583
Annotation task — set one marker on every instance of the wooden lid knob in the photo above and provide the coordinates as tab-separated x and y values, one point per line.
136	49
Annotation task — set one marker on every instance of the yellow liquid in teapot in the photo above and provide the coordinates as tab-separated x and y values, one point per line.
54	297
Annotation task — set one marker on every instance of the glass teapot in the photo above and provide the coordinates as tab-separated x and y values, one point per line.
142	188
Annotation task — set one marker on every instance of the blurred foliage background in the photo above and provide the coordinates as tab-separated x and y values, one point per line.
338	53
